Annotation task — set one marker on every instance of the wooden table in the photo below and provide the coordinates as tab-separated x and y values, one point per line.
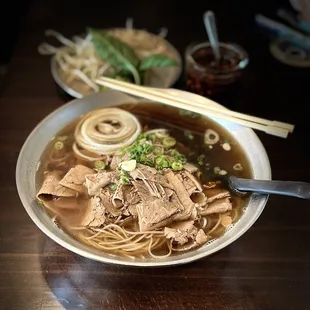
267	268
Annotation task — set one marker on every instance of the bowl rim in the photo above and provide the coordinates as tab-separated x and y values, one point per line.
115	259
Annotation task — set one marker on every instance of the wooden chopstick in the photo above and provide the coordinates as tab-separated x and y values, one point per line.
205	103
270	127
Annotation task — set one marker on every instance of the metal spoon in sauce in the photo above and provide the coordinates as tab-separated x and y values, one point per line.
286	188
210	25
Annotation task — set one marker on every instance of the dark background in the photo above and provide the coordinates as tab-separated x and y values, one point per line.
231	14
268	268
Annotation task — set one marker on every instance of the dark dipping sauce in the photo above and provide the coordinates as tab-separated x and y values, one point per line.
188	129
218	80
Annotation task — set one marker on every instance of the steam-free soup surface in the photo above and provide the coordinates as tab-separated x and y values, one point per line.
184	155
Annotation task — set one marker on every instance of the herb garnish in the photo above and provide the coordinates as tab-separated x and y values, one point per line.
121	56
124	177
124	59
156	61
200	159
113	187
144	152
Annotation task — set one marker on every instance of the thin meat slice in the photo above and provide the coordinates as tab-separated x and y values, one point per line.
94	182
181	232
131	197
201	237
190	168
194	180
153	212
185	236
117	159
143	172
75	178
95	213
216	193
106	197
181	194
218	206
51	188
188	184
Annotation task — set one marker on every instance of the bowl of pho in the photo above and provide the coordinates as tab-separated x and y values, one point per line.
133	182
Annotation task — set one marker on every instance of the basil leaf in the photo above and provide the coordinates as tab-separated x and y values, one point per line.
121	56
156	61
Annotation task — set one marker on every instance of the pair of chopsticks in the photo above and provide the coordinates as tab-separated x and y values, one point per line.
201	106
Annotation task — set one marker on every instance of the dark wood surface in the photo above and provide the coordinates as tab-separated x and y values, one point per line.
267	268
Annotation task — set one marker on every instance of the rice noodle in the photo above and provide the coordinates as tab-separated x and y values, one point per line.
115	238
216	225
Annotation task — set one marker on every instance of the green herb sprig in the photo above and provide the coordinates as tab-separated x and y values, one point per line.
124	59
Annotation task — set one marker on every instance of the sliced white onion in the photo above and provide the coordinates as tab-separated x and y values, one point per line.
105	131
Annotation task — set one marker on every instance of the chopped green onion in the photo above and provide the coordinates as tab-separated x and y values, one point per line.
158	152
62	138
124	181
162	162
169	142
162	134
58	145
178	156
41	202
176	165
216	170
201	159
99	164
151	136
146	160
113	187
147	136
124	177
188	135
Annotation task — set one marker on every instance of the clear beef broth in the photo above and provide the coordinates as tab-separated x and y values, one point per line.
188	130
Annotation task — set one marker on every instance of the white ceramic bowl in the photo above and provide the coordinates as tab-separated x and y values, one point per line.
36	142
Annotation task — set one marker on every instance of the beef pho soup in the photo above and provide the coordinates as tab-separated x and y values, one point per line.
138	180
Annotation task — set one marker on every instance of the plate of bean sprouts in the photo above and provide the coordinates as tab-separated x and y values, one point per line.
134	55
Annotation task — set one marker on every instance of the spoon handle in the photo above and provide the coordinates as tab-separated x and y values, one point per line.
210	25
287	188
